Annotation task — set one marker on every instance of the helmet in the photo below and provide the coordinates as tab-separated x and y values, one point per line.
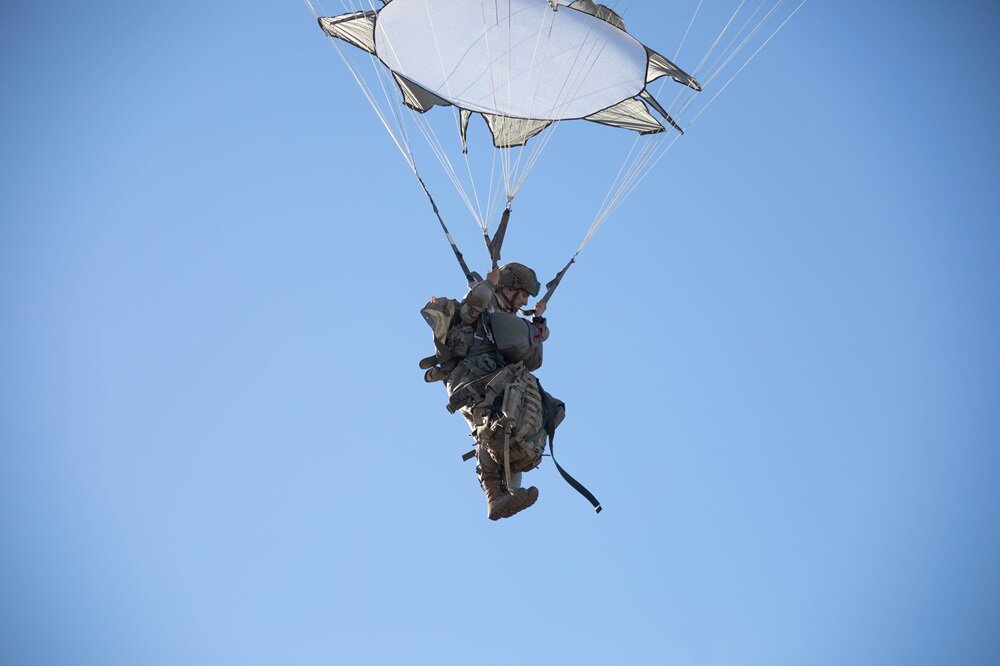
519	276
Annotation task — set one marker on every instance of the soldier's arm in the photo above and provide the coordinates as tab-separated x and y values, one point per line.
476	301
542	326
538	331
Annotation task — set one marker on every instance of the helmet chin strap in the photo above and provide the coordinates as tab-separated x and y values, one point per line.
505	304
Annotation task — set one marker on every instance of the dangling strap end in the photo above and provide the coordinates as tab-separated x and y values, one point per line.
577	486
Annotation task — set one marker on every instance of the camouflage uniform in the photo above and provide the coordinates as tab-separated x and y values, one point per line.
494	389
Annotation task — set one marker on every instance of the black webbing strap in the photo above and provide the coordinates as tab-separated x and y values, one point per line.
550	288
469	275
577	486
496	243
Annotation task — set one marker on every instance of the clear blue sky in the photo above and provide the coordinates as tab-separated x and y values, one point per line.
780	359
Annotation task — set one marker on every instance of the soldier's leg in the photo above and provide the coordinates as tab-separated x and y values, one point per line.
500	503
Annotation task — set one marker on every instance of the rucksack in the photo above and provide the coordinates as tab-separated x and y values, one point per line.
452	338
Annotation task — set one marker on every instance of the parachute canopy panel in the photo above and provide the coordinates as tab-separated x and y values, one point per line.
357	28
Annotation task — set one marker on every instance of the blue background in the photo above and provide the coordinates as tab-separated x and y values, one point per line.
780	359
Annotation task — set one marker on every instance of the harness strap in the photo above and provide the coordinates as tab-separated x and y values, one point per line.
506	459
577	486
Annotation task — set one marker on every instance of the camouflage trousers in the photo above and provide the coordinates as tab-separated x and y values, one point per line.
508	424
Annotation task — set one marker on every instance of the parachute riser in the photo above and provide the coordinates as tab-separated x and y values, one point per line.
470	276
494	245
550	287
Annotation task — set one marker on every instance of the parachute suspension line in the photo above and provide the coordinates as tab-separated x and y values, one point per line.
614	183
514	170
400	141
535	152
730	52
562	99
652	163
590	59
677	53
509	96
536	148
633	161
491	204
528	156
480	217
509	164
399	137
494	185
646	168
492	59
391	106
618	185
736	51
481	220
595	51
753	33
718	39
434	144
697	70
637	166
517	170
637	174
433	141
749	60
715	67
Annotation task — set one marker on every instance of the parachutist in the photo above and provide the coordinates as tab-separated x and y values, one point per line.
486	356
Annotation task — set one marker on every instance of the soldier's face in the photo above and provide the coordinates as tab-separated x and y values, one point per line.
517	298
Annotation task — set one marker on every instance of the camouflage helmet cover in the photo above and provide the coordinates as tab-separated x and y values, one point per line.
519	276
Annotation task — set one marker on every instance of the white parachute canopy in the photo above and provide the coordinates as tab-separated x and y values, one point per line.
519	63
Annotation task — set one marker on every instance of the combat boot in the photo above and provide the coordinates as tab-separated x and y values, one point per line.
503	504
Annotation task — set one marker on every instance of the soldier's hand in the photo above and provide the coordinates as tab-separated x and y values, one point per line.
540	308
494	276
